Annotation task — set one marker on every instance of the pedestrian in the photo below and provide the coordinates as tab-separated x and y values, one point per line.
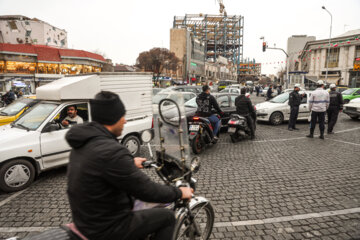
269	93
318	104
257	89
294	102
335	106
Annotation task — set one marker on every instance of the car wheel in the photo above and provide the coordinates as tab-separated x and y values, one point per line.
132	143
16	175
354	117
276	118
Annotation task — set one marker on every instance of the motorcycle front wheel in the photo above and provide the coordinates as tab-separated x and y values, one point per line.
204	217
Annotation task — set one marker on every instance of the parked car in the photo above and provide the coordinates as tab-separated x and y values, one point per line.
35	142
277	110
231	90
184	88
352	109
14	110
350	94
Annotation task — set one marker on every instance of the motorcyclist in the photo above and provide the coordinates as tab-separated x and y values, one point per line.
245	108
104	178
206	102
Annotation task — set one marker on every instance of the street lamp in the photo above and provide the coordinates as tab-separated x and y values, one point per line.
328	55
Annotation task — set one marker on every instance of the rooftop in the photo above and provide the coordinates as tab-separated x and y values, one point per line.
49	54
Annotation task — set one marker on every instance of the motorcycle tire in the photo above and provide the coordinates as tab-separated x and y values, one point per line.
197	144
182	227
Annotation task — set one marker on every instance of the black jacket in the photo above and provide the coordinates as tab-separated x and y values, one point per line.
269	92
206	102
102	181
294	99
244	105
336	100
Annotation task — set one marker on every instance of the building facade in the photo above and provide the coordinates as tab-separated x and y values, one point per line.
295	45
343	56
17	29
34	65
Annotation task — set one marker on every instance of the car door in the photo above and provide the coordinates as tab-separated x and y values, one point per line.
224	104
304	108
54	148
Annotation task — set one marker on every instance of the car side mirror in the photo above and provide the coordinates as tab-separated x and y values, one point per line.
51	126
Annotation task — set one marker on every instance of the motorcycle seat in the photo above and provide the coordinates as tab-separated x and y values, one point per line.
74	229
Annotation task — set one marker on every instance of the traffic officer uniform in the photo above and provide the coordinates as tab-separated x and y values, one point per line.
294	102
336	105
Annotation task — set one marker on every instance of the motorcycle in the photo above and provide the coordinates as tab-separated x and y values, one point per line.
172	162
238	128
201	133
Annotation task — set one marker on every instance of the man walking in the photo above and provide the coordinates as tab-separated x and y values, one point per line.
336	105
294	102
269	93
318	104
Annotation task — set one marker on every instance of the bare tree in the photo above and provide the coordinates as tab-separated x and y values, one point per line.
102	53
157	60
282	74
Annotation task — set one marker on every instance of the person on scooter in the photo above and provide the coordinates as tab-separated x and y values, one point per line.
245	108
206	102
104	178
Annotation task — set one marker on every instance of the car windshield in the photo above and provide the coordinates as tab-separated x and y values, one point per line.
33	119
191	103
348	92
280	98
13	108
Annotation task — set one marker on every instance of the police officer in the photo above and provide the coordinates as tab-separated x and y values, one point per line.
294	102
318	104
336	105
245	108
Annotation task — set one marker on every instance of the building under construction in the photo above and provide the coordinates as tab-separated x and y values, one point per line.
223	35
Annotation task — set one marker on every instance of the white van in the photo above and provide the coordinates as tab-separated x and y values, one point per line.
35	142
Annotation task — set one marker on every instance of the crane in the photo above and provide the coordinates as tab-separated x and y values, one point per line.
222	7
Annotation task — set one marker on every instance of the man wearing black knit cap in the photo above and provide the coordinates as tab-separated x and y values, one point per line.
104	178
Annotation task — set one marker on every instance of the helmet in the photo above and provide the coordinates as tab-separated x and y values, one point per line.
297	85
332	85
320	82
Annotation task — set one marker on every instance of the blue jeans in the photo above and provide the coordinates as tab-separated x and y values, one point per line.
215	122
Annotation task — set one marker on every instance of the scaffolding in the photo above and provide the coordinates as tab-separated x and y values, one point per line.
222	35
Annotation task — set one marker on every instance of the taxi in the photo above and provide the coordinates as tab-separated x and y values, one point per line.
14	110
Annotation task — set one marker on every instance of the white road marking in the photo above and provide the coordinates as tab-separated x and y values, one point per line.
356	144
5	201
347	130
221	224
288	218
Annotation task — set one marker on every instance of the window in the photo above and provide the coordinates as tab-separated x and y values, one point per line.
12	25
304	99
357	52
187	97
28	33
223	101
27	23
357	92
333	57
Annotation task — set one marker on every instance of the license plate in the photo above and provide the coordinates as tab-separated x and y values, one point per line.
231	129
194	127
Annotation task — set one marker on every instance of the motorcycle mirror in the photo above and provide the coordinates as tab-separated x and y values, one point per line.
195	164
147	135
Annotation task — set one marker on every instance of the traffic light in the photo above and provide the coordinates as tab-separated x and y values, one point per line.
264	46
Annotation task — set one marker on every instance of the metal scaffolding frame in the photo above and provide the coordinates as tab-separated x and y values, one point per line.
223	35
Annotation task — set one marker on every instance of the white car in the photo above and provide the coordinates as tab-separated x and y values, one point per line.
352	108
171	95
231	90
277	110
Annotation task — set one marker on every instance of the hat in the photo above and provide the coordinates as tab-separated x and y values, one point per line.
332	85
320	82
107	108
297	85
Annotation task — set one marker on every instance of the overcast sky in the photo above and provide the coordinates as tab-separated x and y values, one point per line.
122	29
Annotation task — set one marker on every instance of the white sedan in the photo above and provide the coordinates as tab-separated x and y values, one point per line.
277	110
352	108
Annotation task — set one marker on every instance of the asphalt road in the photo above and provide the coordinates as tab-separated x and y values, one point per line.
282	185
